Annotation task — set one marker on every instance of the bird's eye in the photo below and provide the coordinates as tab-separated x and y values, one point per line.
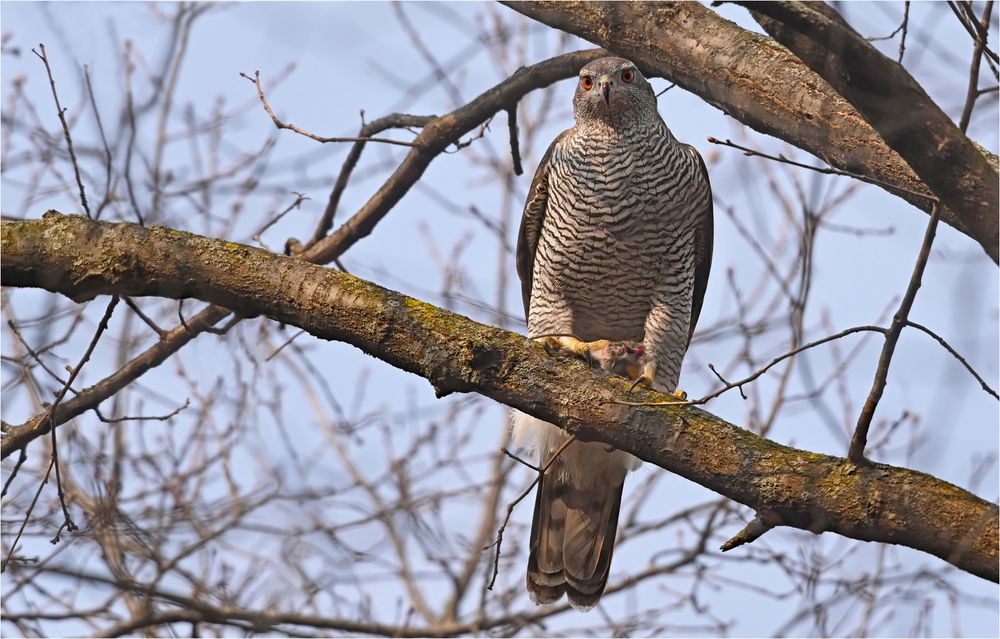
587	82
628	76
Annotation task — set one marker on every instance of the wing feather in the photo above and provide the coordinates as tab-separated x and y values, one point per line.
531	223
703	237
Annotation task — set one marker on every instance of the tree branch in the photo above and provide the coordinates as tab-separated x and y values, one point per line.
760	83
81	259
895	104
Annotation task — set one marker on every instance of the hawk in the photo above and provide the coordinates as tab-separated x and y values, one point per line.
613	253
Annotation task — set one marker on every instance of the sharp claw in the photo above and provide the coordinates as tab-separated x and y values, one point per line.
642	381
550	344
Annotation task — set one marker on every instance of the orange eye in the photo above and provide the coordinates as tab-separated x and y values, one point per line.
628	76
587	82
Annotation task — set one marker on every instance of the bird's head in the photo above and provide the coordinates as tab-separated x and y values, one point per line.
610	88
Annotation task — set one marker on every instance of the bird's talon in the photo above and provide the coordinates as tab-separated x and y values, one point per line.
550	344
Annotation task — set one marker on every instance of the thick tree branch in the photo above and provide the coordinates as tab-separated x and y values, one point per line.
763	85
81	258
897	107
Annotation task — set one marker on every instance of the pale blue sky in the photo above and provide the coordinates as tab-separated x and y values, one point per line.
334	47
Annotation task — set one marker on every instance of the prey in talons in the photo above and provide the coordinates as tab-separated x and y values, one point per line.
623	358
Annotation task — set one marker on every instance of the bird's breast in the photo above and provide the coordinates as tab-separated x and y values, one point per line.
611	225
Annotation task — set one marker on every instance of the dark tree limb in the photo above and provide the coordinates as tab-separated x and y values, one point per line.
765	86
81	259
895	104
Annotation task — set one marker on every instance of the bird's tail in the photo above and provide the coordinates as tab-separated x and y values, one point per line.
576	513
572	538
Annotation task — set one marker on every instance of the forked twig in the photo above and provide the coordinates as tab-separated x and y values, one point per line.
856	453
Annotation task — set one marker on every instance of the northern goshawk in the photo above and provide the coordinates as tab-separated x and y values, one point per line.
613	254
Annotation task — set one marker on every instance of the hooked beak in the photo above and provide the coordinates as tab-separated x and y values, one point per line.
605	82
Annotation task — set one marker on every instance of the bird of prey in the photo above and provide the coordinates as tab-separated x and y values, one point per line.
613	254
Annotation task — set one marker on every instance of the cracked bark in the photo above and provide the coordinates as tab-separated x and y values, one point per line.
762	84
82	259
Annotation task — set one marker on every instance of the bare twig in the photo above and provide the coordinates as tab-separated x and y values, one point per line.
394	120
54	461
510	509
902	39
722	379
132	132
143	418
669	86
972	93
23	457
27	515
829	170
519	460
101	327
312	136
104	141
62	118
299	199
968	20
777	360
283	345
148	321
902	25
856	453
940	340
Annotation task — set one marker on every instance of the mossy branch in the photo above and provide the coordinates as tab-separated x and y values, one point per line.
82	259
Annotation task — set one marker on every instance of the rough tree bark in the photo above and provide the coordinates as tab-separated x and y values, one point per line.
81	259
763	85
